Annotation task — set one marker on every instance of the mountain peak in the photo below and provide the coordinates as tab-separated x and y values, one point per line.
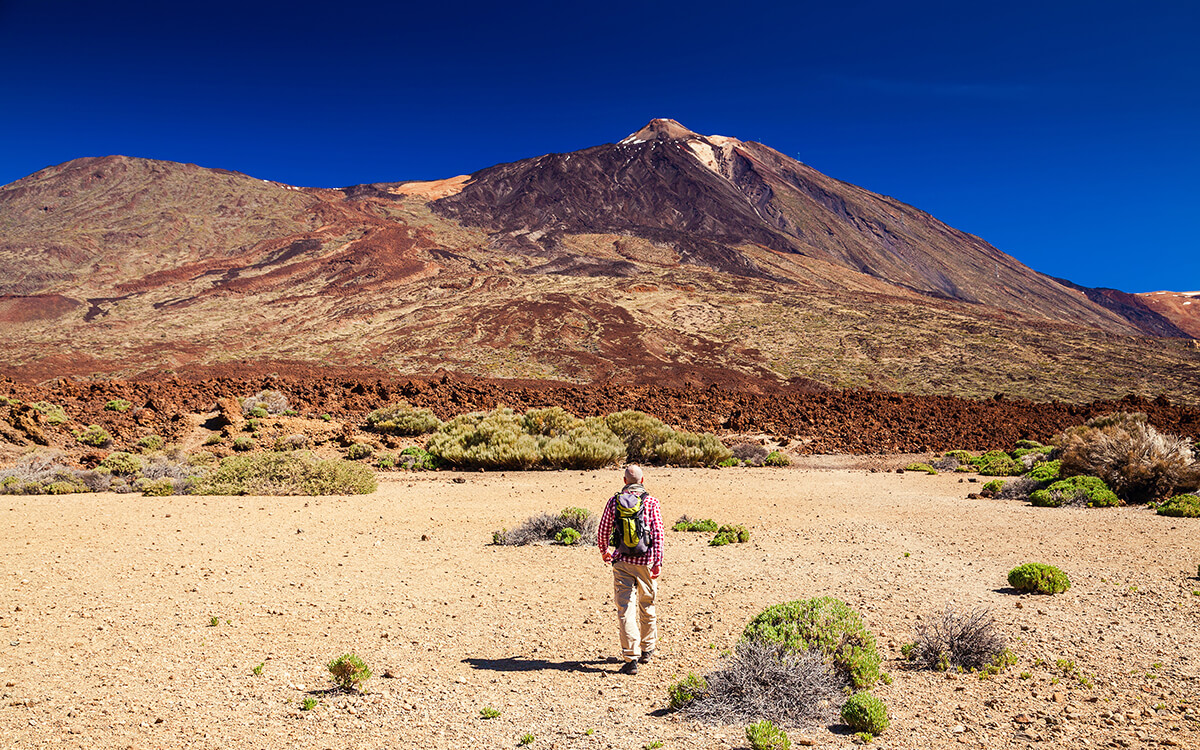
661	129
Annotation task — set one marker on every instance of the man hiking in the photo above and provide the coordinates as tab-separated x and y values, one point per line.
632	525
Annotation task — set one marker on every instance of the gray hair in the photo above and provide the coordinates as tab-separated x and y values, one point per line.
633	474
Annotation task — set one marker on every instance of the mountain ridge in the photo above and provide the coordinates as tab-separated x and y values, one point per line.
689	259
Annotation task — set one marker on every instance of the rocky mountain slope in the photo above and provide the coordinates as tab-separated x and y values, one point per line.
667	258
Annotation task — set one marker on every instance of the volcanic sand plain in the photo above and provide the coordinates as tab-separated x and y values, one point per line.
108	604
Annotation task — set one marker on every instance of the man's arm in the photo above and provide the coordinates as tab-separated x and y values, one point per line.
656	524
604	531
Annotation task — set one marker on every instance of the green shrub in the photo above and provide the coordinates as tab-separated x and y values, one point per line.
120	462
766	736
487	712
963	457
826	625
1181	506
348	671
294	473
418	459
526	739
359	451
1047	471
1038	578
53	413
157	488
294	442
921	467
62	487
997	464
1043	450
692	449
863	712
640	432
550	422
402	419
259	412
151	443
728	534
309	704
775	458
1033	445
706	525
993	486
589	444
1139	463
567	536
686	690
213	439
243	443
95	436
118	405
496	440
251	425
1078	490
731	461
202	459
386	462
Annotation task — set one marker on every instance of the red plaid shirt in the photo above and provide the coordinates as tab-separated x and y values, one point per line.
653	519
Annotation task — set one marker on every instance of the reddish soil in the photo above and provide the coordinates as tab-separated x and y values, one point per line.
856	422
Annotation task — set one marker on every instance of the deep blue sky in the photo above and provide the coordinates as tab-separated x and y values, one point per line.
1065	133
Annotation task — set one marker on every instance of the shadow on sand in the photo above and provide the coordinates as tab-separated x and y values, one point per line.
523	664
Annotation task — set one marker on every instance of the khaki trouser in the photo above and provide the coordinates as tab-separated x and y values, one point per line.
626	579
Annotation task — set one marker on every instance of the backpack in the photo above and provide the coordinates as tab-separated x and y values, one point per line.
631	535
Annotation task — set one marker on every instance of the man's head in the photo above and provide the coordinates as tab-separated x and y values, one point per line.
633	474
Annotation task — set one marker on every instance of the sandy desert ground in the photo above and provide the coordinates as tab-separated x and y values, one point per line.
107	602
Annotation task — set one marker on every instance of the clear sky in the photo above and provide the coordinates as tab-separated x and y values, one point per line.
1066	133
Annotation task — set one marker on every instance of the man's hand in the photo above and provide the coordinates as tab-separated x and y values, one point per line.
607	556
655	571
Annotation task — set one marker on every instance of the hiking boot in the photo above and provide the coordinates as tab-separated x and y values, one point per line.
629	667
645	657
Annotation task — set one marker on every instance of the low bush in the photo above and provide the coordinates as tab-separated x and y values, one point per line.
213	439
386	462
1139	463
417	459
95	436
268	401
864	712
295	473
243	443
776	458
402	419
567	537
1018	488
1045	472
921	467
1181	506
998	464
1077	490
762	681
992	487
1033	445
52	413
151	443
125	464
359	451
969	641
44	474
118	405
963	457
686	690
729	534
546	527
1038	578
764	735
640	433
749	452
258	412
684	523
294	442
543	438
155	487
826	625
348	672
